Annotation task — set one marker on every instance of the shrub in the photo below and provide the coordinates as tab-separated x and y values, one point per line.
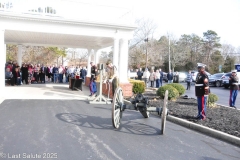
179	87
138	86
172	92
212	98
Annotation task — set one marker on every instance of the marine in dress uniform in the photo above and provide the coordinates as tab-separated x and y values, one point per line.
201	91
233	82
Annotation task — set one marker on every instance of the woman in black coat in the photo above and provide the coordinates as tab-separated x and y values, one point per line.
24	70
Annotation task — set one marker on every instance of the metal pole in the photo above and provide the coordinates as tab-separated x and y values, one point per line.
146	55
169	54
146	40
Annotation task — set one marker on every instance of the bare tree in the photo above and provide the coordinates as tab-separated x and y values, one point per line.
227	50
178	55
77	56
105	56
142	35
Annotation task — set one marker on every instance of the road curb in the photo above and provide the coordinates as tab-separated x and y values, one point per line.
206	130
200	128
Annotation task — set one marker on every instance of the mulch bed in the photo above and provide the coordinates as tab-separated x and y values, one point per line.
220	118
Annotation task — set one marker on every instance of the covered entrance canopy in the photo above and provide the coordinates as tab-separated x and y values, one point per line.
41	30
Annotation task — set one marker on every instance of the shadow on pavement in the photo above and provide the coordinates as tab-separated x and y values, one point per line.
97	122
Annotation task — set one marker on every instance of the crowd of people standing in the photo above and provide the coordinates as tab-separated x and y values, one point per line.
40	73
150	76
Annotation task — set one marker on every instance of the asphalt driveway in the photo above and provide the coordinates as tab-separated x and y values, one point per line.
74	129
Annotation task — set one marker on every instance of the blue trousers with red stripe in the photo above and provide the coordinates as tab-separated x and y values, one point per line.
233	96
202	102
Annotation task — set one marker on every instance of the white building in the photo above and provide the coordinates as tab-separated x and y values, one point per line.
92	25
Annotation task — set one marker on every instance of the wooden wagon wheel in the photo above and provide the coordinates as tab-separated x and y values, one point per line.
116	107
145	114
164	112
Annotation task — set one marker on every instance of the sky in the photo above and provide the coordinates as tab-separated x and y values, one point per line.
174	17
178	17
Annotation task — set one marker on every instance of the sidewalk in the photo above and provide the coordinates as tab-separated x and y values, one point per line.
43	91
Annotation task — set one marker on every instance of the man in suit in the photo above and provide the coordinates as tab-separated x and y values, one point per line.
42	73
170	77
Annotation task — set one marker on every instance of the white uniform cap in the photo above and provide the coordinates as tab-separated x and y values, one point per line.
235	71
200	65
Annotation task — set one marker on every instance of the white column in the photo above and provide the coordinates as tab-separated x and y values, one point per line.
19	55
123	61
88	65
97	54
2	63
94	56
116	51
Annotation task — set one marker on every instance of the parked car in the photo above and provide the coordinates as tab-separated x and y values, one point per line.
182	76
132	74
165	79
194	74
225	79
216	79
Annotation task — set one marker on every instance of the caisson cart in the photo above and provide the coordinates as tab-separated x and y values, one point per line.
139	103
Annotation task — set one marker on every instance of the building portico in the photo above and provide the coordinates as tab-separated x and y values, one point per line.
37	30
2	60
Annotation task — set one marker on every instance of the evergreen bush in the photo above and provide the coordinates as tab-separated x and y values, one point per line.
212	98
138	86
179	87
172	92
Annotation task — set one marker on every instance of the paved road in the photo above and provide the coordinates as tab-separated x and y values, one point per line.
221	92
73	130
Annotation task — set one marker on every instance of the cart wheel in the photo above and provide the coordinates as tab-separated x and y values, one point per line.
164	112
116	107
145	114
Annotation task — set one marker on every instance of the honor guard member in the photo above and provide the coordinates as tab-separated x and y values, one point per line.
201	90
112	75
233	82
93	71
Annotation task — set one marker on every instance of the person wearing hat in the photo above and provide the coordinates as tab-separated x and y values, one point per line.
233	82
201	91
111	72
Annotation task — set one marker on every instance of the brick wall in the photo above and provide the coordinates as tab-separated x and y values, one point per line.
87	81
126	87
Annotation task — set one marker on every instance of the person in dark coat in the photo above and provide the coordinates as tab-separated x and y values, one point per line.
161	77
24	70
233	82
201	91
55	74
170	77
83	74
176	78
93	71
17	76
42	73
139	74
